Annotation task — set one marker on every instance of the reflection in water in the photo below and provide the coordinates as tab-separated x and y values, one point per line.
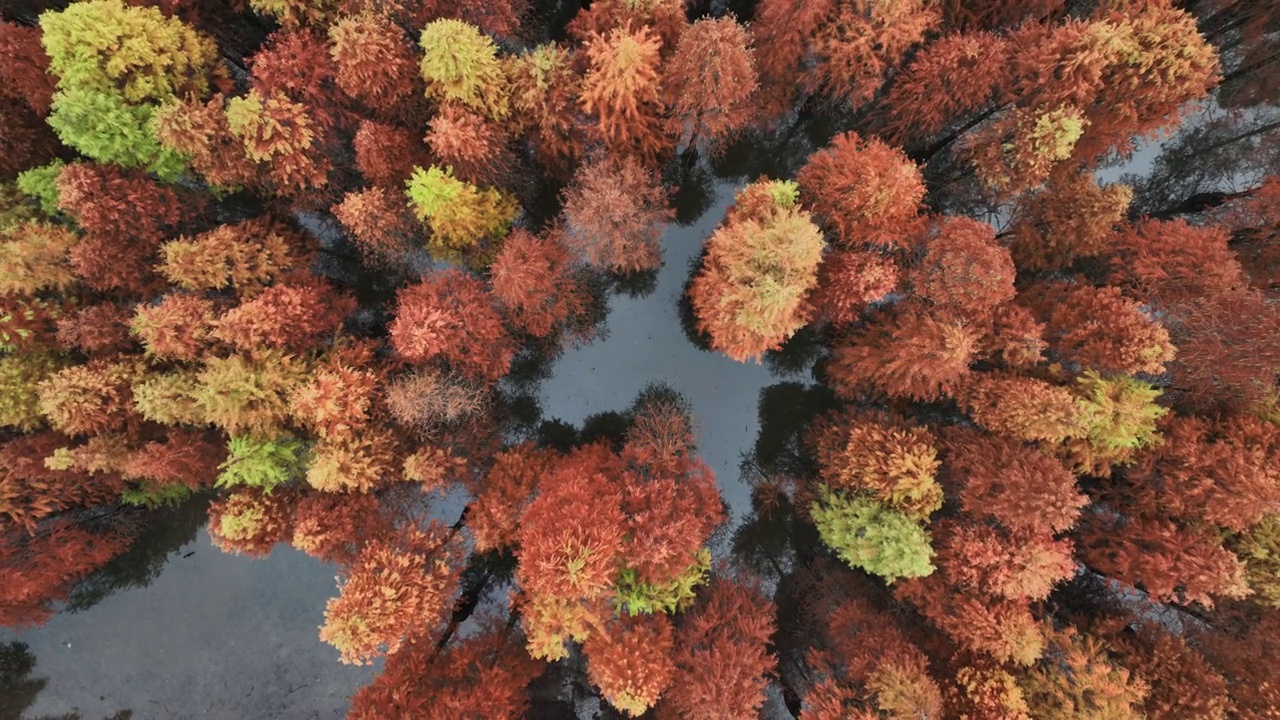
18	690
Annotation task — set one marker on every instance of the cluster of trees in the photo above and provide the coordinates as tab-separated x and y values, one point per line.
296	255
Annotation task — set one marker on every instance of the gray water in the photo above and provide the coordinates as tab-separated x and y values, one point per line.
224	636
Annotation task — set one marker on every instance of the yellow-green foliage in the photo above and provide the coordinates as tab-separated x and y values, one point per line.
262	464
33	257
458	213
1259	548
169	398
636	596
248	396
867	535
116	63
19	398
461	66
41	183
107	47
1120	415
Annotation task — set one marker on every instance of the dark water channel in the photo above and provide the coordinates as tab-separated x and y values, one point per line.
197	633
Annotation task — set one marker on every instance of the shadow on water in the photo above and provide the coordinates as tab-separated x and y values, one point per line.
18	690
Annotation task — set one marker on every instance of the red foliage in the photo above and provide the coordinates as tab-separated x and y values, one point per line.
1227	474
379	222
296	63
946	80
107	263
1183	684
96	329
334	526
1015	337
664	17
974	619
631	661
783	30
1171	562
570	537
186	457
24	67
386	154
1071	218
709	82
337	401
496	17
1014	566
401	584
544	89
849	281
1171	261
904	354
375	62
964	270
295	316
1100	329
475	148
485	674
621	89
122	205
39	570
27	323
721	654
30	491
450	316
534	279
865	191
669	519
493	517
1228	347
857	45
1023	408
245	256
1019	487
614	215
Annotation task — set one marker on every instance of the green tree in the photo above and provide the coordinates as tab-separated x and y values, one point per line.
870	536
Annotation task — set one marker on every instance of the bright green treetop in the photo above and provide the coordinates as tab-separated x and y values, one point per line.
458	213
870	536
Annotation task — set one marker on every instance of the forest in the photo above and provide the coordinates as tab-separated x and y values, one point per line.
296	269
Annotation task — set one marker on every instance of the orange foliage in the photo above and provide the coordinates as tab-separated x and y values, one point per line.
178	327
251	521
1014	566
709	82
1069	219
295	63
501	496
400	584
964	270
475	148
721	654
1171	261
535	281
245	256
200	131
449	316
669	519
904	354
485	674
977	621
106	263
614	216
544	87
1015	337
378	221
127	207
881	455
39	570
664	17
336	401
865	191
90	399
375	61
189	458
334	526
1023	408
849	281
1228	347
783	30
631	661
31	491
621	89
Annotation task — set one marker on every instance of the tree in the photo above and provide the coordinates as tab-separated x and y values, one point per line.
535	280
760	265
905	354
450	316
631	661
859	41
964	271
622	89
720	653
296	317
1098	328
1069	219
89	399
849	281
399	584
544	89
459	214
379	223
283	136
178	327
1077	679
614	213
709	82
461	66
868	535
250	521
375	62
387	155
115	63
866	192
889	459
475	149
201	132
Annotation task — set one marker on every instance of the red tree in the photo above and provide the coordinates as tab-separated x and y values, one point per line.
709	82
534	279
614	215
450	316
